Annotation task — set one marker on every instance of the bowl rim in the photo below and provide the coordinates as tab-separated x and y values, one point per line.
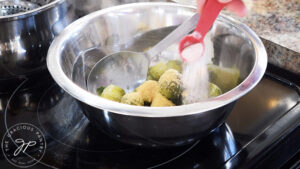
56	71
23	15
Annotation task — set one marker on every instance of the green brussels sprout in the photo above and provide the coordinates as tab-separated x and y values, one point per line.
157	70
149	77
148	90
175	64
161	101
214	90
225	78
170	85
100	90
133	98
113	92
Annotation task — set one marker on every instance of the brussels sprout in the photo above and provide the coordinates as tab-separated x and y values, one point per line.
113	92
183	96
214	90
149	77
170	85
175	64
225	78
100	90
148	90
161	101
133	98
157	70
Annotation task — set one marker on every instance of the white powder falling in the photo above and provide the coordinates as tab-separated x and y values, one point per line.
193	52
195	73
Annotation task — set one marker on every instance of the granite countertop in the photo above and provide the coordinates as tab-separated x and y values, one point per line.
277	21
278	24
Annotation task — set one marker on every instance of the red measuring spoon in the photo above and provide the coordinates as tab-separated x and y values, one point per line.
210	12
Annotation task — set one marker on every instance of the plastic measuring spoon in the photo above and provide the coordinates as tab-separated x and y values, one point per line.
191	47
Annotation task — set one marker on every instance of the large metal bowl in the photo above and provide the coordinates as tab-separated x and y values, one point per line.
84	42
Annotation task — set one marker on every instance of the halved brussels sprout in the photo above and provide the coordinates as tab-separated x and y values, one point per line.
113	92
161	101
133	98
175	64
214	90
225	78
148	90
157	70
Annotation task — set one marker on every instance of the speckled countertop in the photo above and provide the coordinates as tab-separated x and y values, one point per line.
277	22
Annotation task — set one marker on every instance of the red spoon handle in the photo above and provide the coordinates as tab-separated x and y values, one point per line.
210	12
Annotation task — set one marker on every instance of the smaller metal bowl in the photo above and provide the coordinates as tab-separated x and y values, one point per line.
74	52
26	32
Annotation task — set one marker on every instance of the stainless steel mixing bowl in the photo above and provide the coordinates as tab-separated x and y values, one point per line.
27	29
138	26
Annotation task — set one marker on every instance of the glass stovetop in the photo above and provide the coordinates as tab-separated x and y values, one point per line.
258	121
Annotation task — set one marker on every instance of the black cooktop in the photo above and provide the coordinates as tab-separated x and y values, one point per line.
263	131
